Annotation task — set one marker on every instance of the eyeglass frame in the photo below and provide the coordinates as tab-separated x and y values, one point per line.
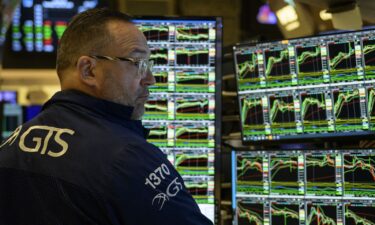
142	64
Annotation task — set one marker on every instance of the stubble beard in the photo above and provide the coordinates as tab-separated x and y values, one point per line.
139	110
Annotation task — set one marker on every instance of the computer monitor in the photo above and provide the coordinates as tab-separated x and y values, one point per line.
183	111
36	28
8	97
11	117
31	111
314	87
303	187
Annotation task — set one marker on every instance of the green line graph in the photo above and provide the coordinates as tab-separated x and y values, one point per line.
153	28
343	98
155	32
247	67
160	75
307	55
191	52
368	49
183	157
159	56
284	175
200	190
196	185
249	215
281	106
60	28
246	164
184	77
182	130
359	174
320	174
289	216
278	164
342	55
318	101
371	103
192	81
181	104
358	219
247	104
320	161
187	33
369	58
193	108
161	84
156	106
192	164
250	174
158	135
318	216
158	132
272	60
360	163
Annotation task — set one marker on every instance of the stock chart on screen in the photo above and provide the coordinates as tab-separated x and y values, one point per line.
310	87
38	24
36	29
182	110
304	187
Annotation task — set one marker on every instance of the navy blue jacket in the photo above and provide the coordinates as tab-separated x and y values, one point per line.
83	161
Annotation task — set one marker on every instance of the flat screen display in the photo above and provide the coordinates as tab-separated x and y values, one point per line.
303	187
311	87
183	110
36	29
8	97
11	117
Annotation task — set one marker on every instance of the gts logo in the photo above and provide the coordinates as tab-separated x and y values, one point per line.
41	137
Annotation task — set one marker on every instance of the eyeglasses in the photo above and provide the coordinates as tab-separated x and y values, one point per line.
143	65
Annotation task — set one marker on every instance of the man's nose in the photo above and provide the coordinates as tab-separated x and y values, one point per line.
149	79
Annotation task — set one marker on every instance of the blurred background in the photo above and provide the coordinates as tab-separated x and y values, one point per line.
260	19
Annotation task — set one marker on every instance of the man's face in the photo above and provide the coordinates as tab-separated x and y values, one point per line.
121	81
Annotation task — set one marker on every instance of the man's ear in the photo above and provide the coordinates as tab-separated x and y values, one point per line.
85	66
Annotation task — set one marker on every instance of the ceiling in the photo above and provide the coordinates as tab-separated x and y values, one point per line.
367	7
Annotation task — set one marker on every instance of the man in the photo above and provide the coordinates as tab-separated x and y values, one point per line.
84	159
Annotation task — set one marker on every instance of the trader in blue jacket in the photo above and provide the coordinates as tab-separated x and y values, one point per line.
84	159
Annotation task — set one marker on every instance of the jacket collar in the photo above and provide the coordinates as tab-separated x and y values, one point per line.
110	110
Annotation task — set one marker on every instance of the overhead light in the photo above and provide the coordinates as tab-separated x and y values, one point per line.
324	15
290	2
293	20
292	26
266	16
288	17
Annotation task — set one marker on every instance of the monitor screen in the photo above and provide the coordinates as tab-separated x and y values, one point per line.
36	28
31	111
183	109
8	97
11	117
310	87
303	187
